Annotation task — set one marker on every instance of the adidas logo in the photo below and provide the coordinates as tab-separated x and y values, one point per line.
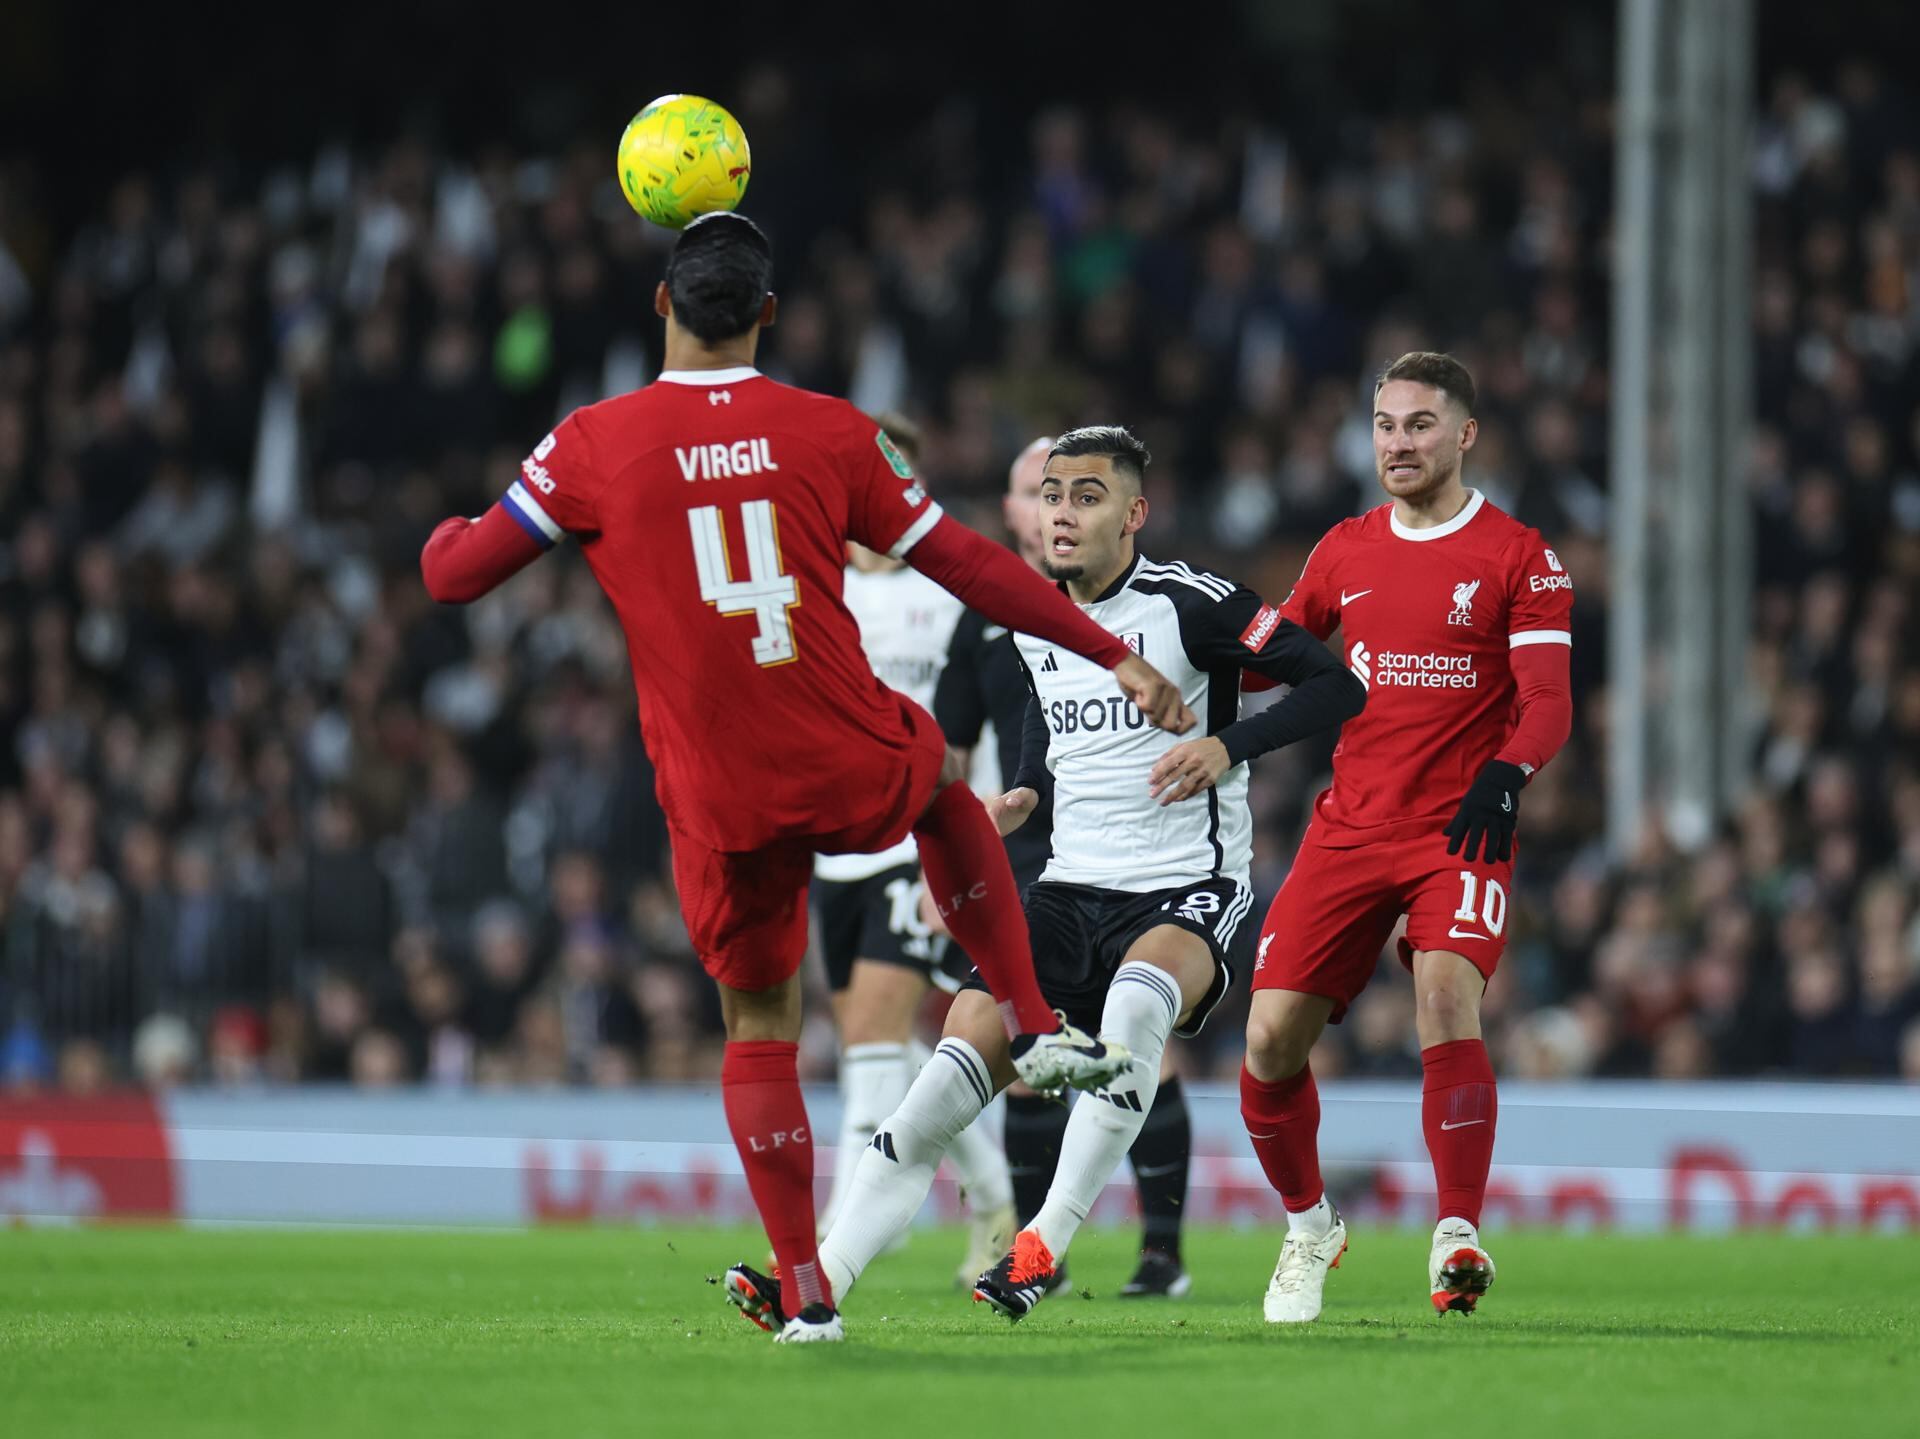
883	1142
1125	1099
1050	665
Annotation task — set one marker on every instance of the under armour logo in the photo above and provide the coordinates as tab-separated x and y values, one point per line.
719	397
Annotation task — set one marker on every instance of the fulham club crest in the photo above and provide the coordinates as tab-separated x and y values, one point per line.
1135	641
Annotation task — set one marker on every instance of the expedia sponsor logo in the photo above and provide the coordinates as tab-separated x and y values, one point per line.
1539	583
1402	669
1066	717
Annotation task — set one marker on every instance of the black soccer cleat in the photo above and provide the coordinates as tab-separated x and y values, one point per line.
1160	1276
756	1297
1020	1280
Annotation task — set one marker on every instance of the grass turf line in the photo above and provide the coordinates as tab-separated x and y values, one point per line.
618	1332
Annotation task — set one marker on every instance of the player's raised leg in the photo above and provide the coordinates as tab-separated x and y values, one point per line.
1458	1110
1167	972
973	887
969	1066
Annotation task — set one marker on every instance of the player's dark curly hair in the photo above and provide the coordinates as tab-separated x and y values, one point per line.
1114	442
1429	367
719	275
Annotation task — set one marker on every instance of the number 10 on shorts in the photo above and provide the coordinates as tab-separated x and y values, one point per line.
1492	910
765	593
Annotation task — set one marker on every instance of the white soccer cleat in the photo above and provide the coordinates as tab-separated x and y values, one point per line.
1068	1058
1296	1292
1459	1271
816	1324
989	1235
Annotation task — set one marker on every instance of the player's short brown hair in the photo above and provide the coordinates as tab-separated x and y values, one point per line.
1429	367
1113	442
904	433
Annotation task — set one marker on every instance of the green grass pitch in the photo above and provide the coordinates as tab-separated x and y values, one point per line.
150	1332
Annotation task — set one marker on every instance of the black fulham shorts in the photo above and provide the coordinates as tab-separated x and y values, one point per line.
1081	935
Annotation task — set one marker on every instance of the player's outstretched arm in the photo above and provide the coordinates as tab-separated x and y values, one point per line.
995	582
1241	631
463	559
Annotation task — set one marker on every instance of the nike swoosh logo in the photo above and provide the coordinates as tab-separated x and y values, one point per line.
1155	1171
1458	933
1347	599
993	632
1459	1123
1506	803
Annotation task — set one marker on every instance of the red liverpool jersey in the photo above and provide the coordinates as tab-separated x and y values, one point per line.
714	507
1428	619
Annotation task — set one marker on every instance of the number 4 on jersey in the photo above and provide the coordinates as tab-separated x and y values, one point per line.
764	593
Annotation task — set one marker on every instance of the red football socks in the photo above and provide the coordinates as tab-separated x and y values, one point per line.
760	1085
1283	1121
1458	1107
967	874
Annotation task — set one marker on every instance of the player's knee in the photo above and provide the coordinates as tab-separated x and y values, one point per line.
756	1014
1444	1013
1278	1043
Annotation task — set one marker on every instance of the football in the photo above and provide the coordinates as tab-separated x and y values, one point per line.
681	157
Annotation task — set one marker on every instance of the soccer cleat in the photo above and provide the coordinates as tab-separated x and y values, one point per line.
1459	1271
1020	1280
1297	1290
1160	1276
1067	1058
988	1236
757	1297
816	1324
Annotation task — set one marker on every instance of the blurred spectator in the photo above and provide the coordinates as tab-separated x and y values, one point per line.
267	814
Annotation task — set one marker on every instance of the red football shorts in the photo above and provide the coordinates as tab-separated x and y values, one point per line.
746	911
1325	929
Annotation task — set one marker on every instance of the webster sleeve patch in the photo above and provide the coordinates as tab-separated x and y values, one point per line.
1260	629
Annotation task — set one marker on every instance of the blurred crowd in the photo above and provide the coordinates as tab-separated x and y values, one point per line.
268	814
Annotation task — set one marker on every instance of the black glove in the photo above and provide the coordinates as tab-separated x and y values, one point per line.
1491	808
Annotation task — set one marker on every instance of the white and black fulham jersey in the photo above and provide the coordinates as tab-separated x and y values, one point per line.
1097	749
906	622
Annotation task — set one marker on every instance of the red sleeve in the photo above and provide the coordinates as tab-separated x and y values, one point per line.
1546	705
1310	603
998	584
463	559
1539	595
887	508
559	482
1540	651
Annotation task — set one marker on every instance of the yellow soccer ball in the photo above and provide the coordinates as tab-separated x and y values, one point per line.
681	157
